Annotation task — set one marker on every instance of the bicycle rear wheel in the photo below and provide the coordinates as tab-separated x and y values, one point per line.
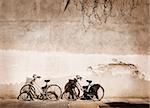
54	92
51	96
99	95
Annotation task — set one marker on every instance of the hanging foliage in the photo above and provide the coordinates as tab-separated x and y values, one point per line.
99	11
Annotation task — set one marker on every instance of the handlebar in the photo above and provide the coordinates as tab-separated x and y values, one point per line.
78	77
35	77
38	76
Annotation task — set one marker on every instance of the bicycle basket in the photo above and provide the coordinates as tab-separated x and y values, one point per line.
28	80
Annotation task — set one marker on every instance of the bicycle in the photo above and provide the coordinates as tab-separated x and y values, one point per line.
72	90
48	92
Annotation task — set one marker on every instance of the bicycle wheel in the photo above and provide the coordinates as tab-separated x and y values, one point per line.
25	96
99	95
68	96
27	88
54	92
51	96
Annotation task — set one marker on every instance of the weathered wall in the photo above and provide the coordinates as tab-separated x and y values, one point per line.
42	25
16	66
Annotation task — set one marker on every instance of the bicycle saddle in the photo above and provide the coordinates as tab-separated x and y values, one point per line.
47	80
89	81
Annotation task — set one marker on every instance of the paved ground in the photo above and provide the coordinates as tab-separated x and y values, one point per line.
106	103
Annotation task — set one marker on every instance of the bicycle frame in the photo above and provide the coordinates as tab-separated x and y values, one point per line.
33	92
81	88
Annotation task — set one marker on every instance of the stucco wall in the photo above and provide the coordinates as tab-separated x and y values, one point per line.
37	33
42	25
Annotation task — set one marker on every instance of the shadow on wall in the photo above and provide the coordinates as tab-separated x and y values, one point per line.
119	79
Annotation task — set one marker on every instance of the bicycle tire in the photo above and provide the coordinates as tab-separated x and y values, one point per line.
27	88
101	96
54	92
100	93
30	89
25	96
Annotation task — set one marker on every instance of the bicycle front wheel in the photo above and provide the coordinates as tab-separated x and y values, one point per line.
27	88
25	96
54	92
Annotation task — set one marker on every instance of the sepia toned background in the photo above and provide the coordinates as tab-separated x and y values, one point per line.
37	36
